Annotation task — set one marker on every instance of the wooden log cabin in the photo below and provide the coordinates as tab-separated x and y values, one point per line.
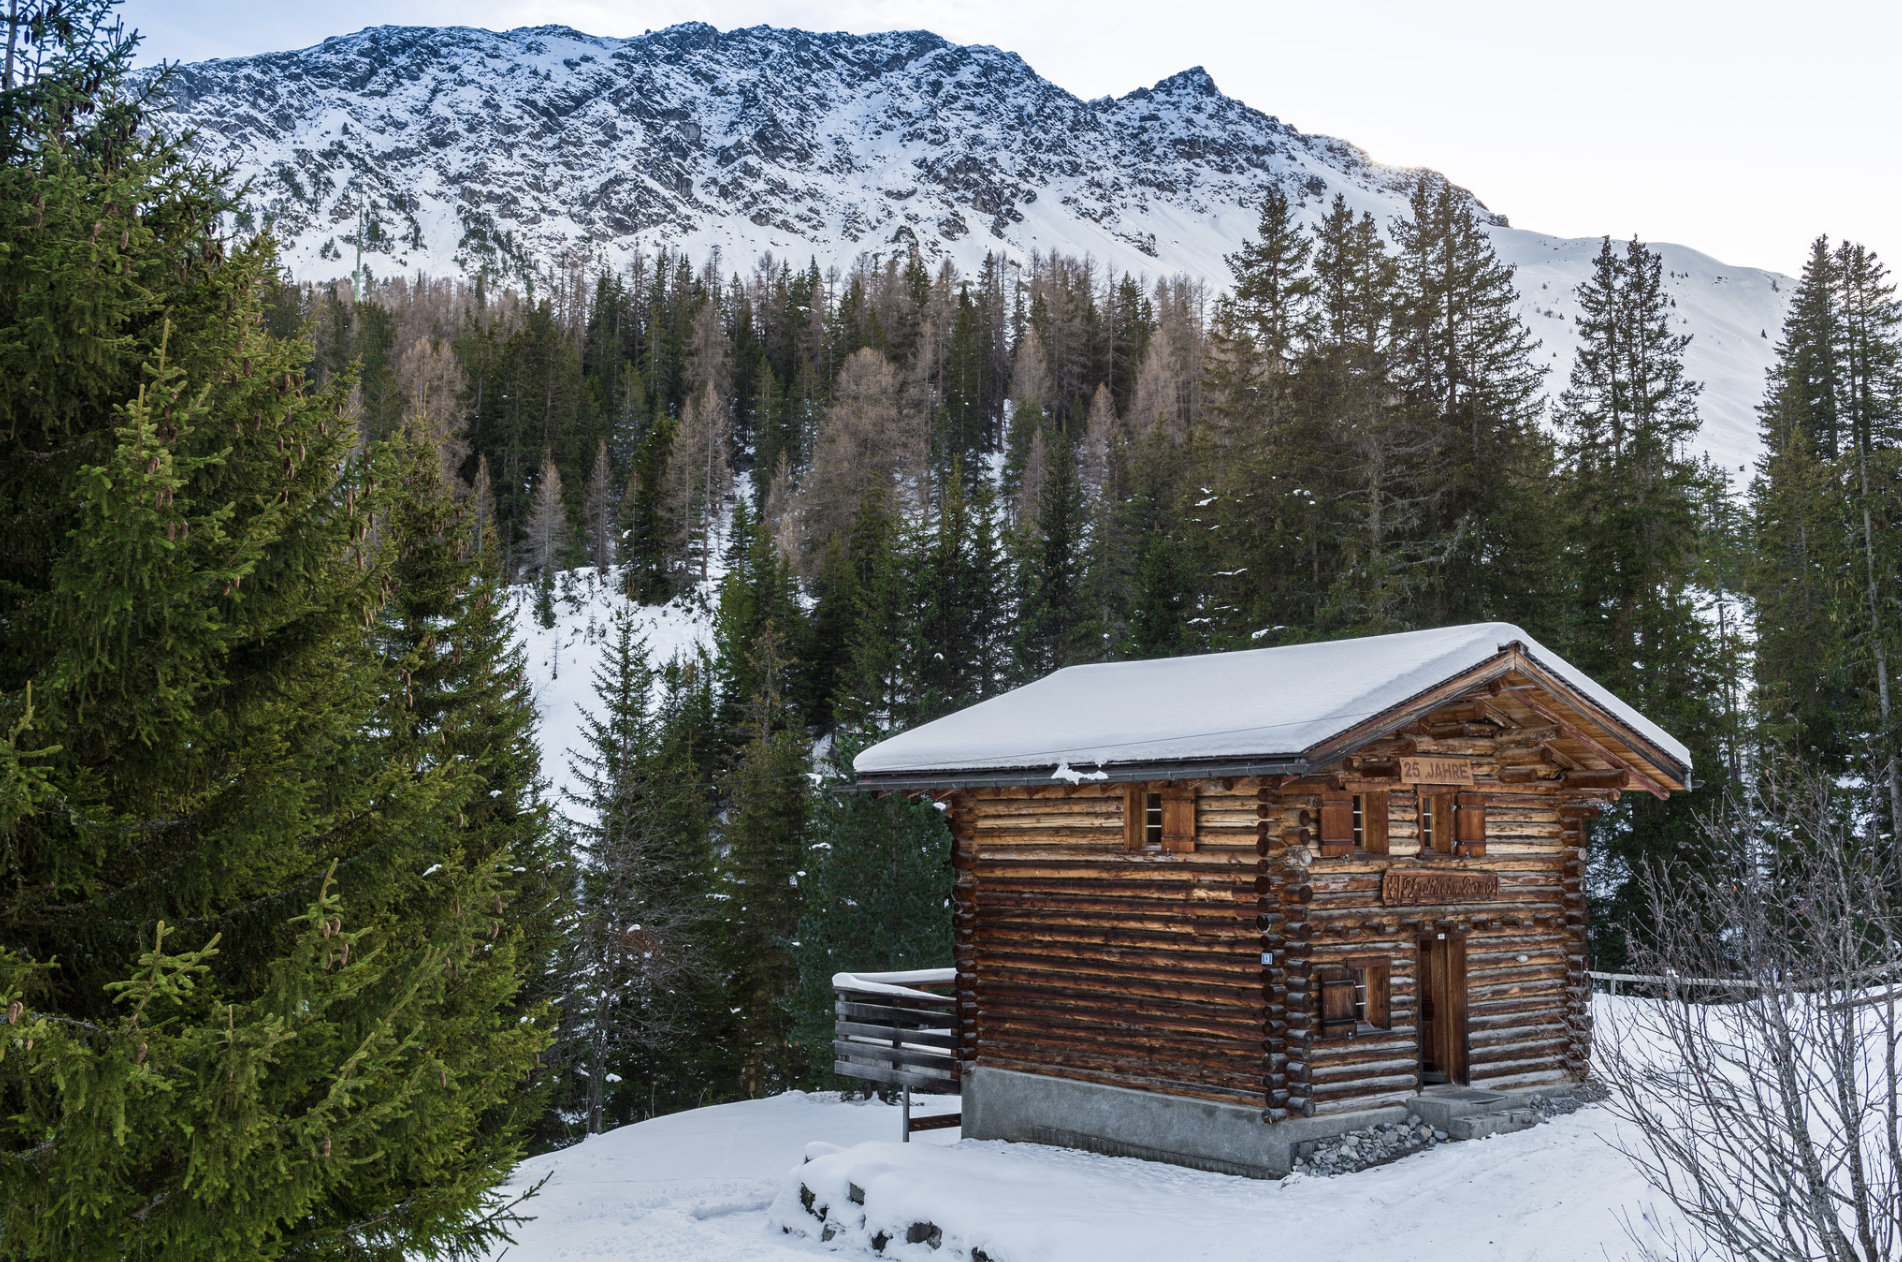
1209	907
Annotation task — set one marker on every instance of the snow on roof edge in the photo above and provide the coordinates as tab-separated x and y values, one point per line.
1318	692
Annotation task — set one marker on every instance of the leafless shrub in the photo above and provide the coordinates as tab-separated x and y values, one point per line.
1759	1089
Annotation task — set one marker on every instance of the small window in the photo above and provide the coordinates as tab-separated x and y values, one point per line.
1370	822
1436	823
1152	820
1371	993
1355	997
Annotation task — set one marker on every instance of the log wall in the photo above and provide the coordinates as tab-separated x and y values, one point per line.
1519	1027
1083	959
1196	973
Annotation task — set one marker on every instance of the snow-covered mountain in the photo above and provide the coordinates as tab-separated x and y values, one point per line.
463	148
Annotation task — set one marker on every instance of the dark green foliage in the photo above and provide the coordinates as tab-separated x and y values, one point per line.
877	891
643	995
1634	524
1053	618
1272	280
768	795
647	576
267	781
1826	570
954	654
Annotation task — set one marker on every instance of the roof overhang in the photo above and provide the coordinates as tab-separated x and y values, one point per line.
1589	723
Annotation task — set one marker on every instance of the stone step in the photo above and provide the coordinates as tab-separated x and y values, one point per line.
1439	1107
1502	1122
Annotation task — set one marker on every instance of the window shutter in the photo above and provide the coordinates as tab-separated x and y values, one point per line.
1469	825
1337	1003
1379	993
1373	822
1133	817
1337	823
1441	807
1178	816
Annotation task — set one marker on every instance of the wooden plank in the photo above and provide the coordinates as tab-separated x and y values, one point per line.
900	1018
930	1085
936	1122
876	1054
922	1038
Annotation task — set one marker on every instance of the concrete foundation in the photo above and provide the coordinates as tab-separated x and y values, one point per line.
1200	1134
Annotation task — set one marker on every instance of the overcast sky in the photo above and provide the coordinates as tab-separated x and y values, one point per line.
1743	128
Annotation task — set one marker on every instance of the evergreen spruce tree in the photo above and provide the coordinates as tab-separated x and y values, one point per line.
1872	395
768	803
876	894
262	974
643	949
756	592
1632	523
964	428
1463	361
1054	627
648	576
874	691
953	650
1273	286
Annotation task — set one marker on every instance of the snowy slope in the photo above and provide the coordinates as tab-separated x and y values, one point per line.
475	148
562	659
697	1187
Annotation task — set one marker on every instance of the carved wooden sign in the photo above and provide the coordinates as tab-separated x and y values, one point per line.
1431	770
1411	887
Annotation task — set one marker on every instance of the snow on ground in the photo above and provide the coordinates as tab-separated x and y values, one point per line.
694	1186
562	659
720	1184
1551	1194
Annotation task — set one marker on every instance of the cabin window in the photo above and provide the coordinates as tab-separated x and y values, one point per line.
1355	997
1159	816
1436	823
1372	991
1370	822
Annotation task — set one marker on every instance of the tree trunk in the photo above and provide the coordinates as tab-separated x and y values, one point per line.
597	1065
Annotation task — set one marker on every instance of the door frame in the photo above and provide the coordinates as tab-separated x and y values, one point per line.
1440	976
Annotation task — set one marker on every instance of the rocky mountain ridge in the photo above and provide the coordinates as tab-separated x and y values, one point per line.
459	150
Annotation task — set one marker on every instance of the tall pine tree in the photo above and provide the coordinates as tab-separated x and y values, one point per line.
262	974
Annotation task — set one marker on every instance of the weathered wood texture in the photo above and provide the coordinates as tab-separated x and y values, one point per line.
1193	970
1527	994
1138	969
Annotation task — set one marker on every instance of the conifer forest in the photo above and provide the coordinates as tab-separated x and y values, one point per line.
270	796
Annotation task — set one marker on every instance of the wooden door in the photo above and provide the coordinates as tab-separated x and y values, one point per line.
1442	998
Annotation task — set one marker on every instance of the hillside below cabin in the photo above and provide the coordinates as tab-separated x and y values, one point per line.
1207	908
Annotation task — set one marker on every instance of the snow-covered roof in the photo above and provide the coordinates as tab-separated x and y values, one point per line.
1254	705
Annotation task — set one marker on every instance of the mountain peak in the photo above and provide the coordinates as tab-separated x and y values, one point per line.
1194	81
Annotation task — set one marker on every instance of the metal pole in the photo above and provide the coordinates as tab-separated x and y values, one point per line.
904	1117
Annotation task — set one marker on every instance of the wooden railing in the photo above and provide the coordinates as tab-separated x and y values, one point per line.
892	1029
1671	983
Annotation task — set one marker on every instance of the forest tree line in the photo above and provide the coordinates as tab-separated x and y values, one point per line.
296	954
920	488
